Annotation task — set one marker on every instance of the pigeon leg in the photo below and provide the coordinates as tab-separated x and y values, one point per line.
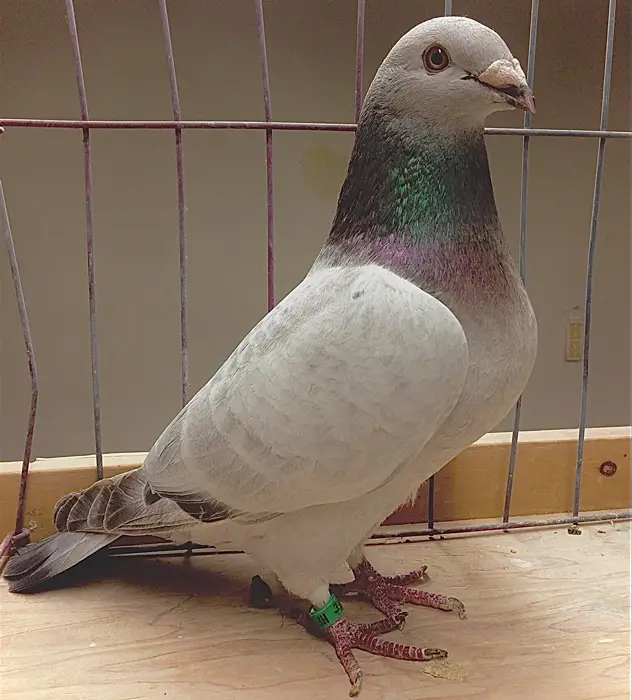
387	592
261	595
345	636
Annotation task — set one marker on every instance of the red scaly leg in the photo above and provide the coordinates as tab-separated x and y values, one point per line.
385	592
345	636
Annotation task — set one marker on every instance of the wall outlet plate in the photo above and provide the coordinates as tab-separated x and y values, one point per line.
574	336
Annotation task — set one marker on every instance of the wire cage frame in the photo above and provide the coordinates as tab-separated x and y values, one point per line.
179	126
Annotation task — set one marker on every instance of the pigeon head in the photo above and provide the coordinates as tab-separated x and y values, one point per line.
450	70
418	196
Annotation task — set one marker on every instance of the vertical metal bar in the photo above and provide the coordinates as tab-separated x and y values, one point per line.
87	160
431	503
431	482
30	355
533	37
265	79
359	68
182	235
605	106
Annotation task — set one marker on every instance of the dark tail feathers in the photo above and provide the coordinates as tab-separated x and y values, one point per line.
38	562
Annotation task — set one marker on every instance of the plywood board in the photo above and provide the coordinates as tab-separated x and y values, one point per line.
548	618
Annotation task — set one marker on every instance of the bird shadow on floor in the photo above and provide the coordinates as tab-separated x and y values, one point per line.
177	575
215	579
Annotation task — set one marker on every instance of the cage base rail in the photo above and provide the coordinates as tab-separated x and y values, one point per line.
386	535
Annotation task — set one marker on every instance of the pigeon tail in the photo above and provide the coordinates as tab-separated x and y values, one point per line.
38	562
89	520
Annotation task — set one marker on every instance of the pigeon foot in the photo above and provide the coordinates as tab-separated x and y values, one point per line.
345	636
387	592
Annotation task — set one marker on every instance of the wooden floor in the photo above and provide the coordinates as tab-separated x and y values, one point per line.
548	619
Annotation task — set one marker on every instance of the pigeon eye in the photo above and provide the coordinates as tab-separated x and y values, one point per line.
436	59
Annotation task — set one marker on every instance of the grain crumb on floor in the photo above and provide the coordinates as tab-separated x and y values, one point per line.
443	668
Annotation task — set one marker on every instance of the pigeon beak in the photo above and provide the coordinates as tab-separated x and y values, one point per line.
507	78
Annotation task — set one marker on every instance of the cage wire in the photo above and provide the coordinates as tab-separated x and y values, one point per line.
179	126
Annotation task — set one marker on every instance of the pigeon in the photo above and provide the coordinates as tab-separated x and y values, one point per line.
411	336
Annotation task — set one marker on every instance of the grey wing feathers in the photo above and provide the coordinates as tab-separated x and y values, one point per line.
165	459
38	562
90	520
119	505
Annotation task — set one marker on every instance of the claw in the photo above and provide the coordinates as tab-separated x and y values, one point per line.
356	685
429	600
406	579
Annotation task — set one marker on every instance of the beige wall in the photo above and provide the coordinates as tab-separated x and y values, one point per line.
311	44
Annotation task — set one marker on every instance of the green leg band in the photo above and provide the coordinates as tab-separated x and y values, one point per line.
326	616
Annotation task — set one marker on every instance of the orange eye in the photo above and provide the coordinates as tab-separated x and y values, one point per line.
436	59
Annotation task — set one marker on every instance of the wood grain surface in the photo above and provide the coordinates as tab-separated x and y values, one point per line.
548	619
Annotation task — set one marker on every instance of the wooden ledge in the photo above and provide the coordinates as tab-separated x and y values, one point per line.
472	486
